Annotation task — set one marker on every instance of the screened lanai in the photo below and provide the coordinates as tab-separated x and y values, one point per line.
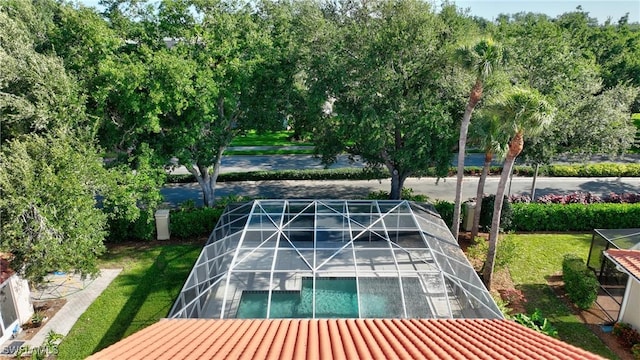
613	282
332	259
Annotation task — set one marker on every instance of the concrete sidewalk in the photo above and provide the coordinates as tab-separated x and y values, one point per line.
77	304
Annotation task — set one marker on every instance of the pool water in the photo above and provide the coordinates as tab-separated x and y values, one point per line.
335	298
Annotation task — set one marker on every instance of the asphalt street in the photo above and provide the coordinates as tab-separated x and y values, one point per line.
443	189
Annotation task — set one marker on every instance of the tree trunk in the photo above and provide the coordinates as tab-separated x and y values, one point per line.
515	147
474	97
533	183
488	156
397	183
207	179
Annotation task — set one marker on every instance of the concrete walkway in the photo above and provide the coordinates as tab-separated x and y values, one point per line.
77	303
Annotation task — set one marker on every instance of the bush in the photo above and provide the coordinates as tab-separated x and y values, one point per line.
627	335
406	194
141	229
194	222
574	217
445	209
486	214
579	198
536	322
579	281
635	350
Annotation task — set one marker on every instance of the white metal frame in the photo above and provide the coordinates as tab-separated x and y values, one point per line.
276	233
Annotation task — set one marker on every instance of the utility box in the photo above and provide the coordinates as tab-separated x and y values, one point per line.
162	224
469	210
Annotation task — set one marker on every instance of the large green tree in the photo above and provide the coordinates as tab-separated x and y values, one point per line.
50	220
188	99
36	93
383	80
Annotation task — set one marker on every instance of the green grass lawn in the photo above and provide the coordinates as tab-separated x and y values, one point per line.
152	278
540	256
273	138
142	294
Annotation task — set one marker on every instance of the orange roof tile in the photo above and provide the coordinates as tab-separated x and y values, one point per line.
340	339
627	259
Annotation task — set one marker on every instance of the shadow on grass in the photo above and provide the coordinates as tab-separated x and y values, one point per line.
165	275
570	328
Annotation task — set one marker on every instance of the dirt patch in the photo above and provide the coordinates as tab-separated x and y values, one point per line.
48	309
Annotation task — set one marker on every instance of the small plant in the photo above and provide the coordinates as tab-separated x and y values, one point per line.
536	322
49	347
37	318
626	334
635	350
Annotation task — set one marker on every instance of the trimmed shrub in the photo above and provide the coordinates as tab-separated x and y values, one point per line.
194	222
574	217
579	282
141	229
486	214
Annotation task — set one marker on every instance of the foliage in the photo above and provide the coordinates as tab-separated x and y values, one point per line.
445	209
579	198
536	322
540	256
635	350
506	252
574	217
36	93
579	281
45	351
378	71
626	334
142	294
186	224
486	213
50	219
407	194
132	196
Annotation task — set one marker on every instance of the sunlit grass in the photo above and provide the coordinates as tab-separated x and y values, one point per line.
142	294
540	256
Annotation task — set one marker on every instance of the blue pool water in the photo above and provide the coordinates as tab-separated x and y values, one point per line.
335	298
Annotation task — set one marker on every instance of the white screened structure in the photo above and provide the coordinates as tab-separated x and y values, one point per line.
332	259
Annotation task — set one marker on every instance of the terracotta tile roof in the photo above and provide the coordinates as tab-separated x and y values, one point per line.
340	339
627	259
5	271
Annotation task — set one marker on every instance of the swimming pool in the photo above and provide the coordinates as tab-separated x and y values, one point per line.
335	298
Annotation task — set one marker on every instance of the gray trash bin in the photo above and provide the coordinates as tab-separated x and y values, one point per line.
469	210
162	224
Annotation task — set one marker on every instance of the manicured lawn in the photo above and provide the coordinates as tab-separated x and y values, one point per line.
142	294
276	138
540	256
153	277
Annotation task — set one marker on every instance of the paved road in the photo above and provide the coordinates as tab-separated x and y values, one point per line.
443	190
242	163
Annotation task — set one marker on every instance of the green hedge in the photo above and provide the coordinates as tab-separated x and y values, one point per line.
194	222
589	170
574	217
579	281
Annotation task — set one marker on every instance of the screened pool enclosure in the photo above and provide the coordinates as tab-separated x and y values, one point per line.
332	259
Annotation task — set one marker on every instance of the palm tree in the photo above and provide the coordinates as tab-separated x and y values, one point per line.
486	134
522	112
480	58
